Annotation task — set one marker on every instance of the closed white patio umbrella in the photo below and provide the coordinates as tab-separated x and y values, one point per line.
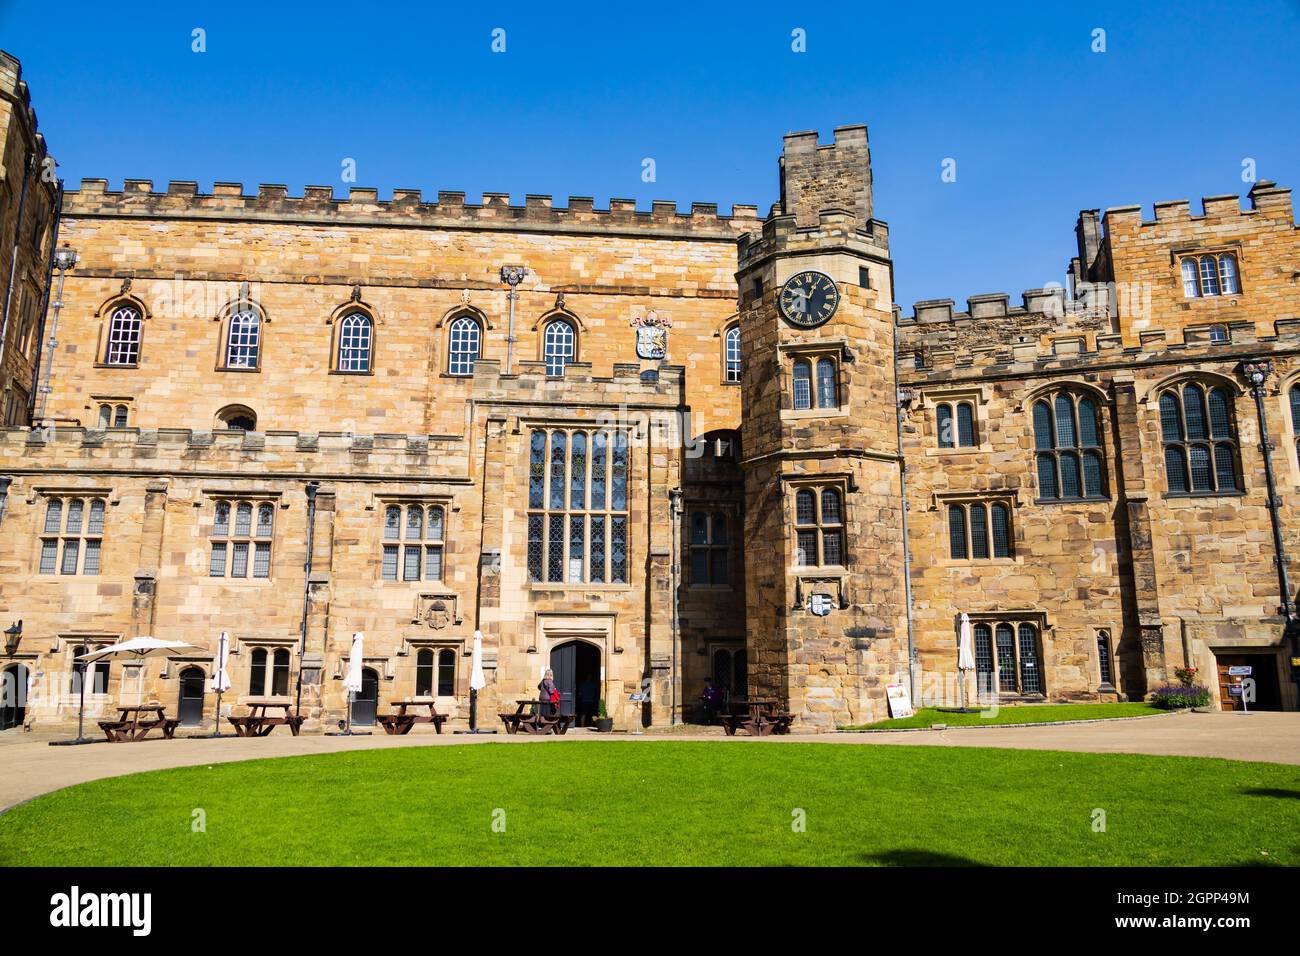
136	650
221	676
352	679
965	655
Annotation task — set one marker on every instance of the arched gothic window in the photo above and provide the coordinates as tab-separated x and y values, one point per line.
1199	435
463	344
1068	451
560	341
356	338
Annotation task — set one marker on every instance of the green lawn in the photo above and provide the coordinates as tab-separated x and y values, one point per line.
1024	714
672	803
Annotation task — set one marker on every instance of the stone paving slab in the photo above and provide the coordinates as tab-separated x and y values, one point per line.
30	767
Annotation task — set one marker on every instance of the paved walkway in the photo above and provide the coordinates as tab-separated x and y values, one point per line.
29	767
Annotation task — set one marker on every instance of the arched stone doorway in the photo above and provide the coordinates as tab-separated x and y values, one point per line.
366	703
576	665
13	696
189	708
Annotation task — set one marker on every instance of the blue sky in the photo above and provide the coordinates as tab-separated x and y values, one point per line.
1040	126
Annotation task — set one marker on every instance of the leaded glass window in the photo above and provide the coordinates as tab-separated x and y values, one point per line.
243	550
1199	434
578	499
802	384
1069	459
979	530
1008	657
819	527
72	536
413	540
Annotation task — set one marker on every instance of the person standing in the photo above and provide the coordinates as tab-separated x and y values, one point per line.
548	695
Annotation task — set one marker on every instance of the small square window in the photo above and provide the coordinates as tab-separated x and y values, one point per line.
864	277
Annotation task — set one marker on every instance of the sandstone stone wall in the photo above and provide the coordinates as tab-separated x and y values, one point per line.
27	189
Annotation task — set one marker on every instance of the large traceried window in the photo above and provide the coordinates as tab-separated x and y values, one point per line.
356	337
1199	435
559	346
819	527
464	341
731	355
123	336
1007	658
72	537
241	546
244	340
578	506
1068	451
414	538
1208	275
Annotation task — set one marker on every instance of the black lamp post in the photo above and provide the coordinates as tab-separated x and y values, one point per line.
1257	373
13	634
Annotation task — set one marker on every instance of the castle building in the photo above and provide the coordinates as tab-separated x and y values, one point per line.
639	448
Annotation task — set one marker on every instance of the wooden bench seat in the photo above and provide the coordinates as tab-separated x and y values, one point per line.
402	723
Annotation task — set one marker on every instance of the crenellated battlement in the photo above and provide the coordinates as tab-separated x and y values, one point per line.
784	233
13	87
442	458
1039	342
1264	198
407	207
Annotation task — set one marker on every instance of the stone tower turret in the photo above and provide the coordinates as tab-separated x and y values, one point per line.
823	526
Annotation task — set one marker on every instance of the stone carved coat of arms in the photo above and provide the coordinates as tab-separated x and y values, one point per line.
651	335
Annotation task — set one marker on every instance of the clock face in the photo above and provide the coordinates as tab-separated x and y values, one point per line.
808	299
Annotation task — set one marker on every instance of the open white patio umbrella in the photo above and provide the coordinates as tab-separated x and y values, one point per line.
136	650
352	680
965	654
221	676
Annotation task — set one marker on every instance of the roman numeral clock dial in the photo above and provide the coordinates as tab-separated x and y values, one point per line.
808	299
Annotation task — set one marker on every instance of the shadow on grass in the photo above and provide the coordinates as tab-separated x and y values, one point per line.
914	857
1273	792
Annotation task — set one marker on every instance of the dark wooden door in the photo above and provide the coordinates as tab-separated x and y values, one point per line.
190	706
564	663
13	696
1263	671
366	703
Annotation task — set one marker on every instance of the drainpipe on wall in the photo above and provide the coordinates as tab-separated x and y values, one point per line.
13	257
675	511
45	302
904	398
512	276
64	259
1257	373
312	488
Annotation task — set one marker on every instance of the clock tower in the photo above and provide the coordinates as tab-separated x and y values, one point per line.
823	508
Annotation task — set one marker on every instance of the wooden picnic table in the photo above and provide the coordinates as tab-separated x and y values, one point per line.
123	729
257	723
536	723
758	715
402	722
